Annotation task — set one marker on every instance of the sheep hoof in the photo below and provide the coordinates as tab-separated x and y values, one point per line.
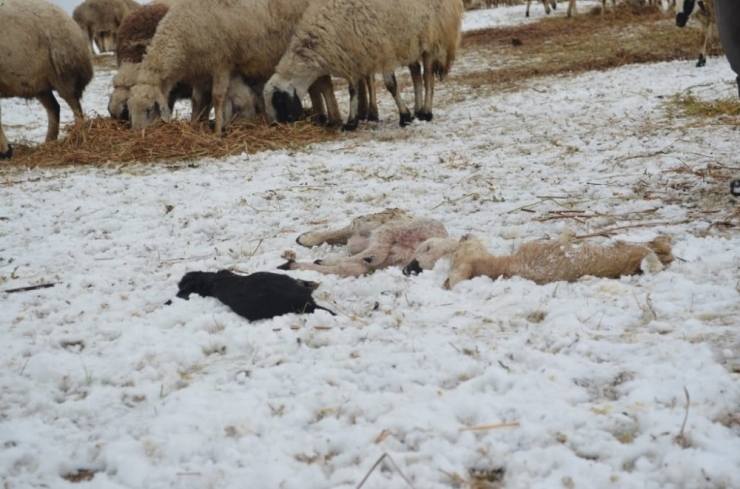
351	125
373	117
288	265
405	120
423	115
735	188
8	154
702	61
554	6
526	14
323	120
318	262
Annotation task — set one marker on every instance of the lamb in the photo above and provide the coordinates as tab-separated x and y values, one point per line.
376	241
704	13
53	55
353	39
260	295
252	35
558	259
99	19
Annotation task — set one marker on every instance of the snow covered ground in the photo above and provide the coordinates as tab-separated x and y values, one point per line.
587	379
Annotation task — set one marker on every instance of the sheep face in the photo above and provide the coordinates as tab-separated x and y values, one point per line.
429	253
282	102
684	9
118	104
147	105
200	283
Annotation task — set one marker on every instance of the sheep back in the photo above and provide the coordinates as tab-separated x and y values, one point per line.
48	51
136	32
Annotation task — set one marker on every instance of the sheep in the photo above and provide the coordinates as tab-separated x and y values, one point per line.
46	51
353	39
134	35
376	241
259	295
251	37
547	4
428	253
99	20
703	10
558	259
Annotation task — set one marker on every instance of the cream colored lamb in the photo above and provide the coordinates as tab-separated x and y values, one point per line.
558	259
375	241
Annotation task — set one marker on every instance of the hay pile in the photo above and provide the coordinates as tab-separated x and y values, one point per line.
101	140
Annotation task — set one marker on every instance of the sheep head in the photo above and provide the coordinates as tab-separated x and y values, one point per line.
282	102
200	283
428	253
118	104
471	259
147	105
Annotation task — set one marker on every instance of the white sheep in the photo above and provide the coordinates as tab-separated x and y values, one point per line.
99	20
44	50
354	39
375	241
134	36
703	11
558	259
197	40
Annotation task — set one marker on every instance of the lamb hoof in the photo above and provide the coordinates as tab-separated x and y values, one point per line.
318	262
702	61
526	14
302	243
288	265
351	125
405	119
423	115
735	188
554	5
8	154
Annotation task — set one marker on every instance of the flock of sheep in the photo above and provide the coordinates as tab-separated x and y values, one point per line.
235	57
238	58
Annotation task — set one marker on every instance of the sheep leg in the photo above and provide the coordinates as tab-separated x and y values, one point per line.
547	7
315	238
362	100
352	120
526	13
6	150
571	8
391	84
334	117
317	103
415	69
706	29
372	109
348	267
426	112
51	105
201	103
218	92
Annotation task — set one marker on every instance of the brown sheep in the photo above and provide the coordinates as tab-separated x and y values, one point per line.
558	259
99	20
46	52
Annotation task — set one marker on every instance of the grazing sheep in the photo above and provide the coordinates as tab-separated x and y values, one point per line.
703	11
558	259
353	39
99	20
251	37
45	51
136	32
260	295
376	241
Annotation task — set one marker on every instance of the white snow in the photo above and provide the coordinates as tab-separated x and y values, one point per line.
99	374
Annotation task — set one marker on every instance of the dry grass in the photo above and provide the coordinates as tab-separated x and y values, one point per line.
100	140
727	109
561	45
